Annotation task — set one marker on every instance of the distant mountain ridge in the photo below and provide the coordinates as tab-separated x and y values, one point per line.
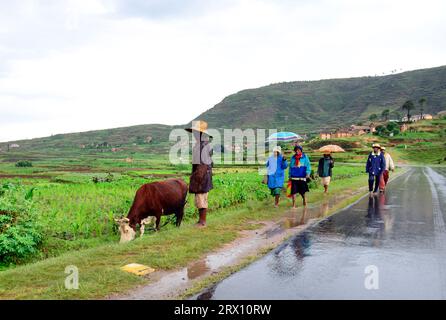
300	106
312	106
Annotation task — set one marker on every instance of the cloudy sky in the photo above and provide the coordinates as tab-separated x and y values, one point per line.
75	65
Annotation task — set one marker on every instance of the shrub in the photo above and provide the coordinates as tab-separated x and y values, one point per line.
23	164
108	178
391	129
20	236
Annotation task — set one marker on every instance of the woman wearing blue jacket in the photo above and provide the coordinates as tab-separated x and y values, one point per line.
276	166
375	165
300	170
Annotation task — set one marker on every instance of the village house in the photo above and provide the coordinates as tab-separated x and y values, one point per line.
342	134
325	136
417	117
363	129
348	132
403	127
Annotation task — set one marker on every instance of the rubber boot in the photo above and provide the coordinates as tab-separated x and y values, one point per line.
202	218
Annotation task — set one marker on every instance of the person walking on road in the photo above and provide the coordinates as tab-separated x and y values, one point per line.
300	170
374	167
390	166
275	166
201	178
324	170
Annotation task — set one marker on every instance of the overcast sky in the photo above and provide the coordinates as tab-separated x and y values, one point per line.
76	65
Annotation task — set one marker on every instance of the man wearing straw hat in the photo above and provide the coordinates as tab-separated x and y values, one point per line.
201	178
390	166
374	167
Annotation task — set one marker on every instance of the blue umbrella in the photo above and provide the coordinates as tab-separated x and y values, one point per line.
284	136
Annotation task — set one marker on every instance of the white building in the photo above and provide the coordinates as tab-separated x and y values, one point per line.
418	117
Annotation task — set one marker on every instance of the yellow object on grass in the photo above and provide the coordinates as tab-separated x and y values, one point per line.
138	269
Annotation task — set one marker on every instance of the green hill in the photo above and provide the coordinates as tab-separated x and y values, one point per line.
141	138
302	106
312	106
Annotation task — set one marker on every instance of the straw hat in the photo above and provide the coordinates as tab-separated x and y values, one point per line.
200	126
383	148
376	145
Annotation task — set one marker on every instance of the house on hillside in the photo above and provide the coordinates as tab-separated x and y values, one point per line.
417	117
324	136
14	145
343	133
351	131
403	127
363	129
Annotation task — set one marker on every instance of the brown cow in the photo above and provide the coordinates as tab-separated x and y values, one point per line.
152	201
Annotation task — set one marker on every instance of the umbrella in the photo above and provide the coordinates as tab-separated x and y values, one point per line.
284	136
331	148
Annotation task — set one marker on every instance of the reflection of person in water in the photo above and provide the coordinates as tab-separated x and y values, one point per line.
301	244
288	259
374	218
304	215
324	209
387	217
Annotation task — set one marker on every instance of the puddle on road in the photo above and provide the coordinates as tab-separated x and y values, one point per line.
167	285
303	216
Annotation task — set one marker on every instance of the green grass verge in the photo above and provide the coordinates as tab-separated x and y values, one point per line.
99	272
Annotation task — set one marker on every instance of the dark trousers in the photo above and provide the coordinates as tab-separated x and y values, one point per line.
374	179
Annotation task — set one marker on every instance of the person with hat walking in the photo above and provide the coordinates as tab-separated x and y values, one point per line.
324	170
276	165
300	170
390	166
201	178
374	167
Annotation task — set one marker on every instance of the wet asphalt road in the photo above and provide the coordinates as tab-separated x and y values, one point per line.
392	246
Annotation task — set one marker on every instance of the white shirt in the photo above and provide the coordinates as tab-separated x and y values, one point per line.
389	162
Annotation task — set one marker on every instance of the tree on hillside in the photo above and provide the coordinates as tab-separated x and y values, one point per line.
385	114
396	114
422	102
373	117
408	106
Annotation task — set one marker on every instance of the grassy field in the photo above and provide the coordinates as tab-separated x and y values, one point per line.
75	213
61	210
238	200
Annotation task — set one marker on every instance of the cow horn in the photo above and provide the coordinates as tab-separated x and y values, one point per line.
122	220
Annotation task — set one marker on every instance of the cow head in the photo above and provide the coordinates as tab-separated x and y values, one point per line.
127	232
